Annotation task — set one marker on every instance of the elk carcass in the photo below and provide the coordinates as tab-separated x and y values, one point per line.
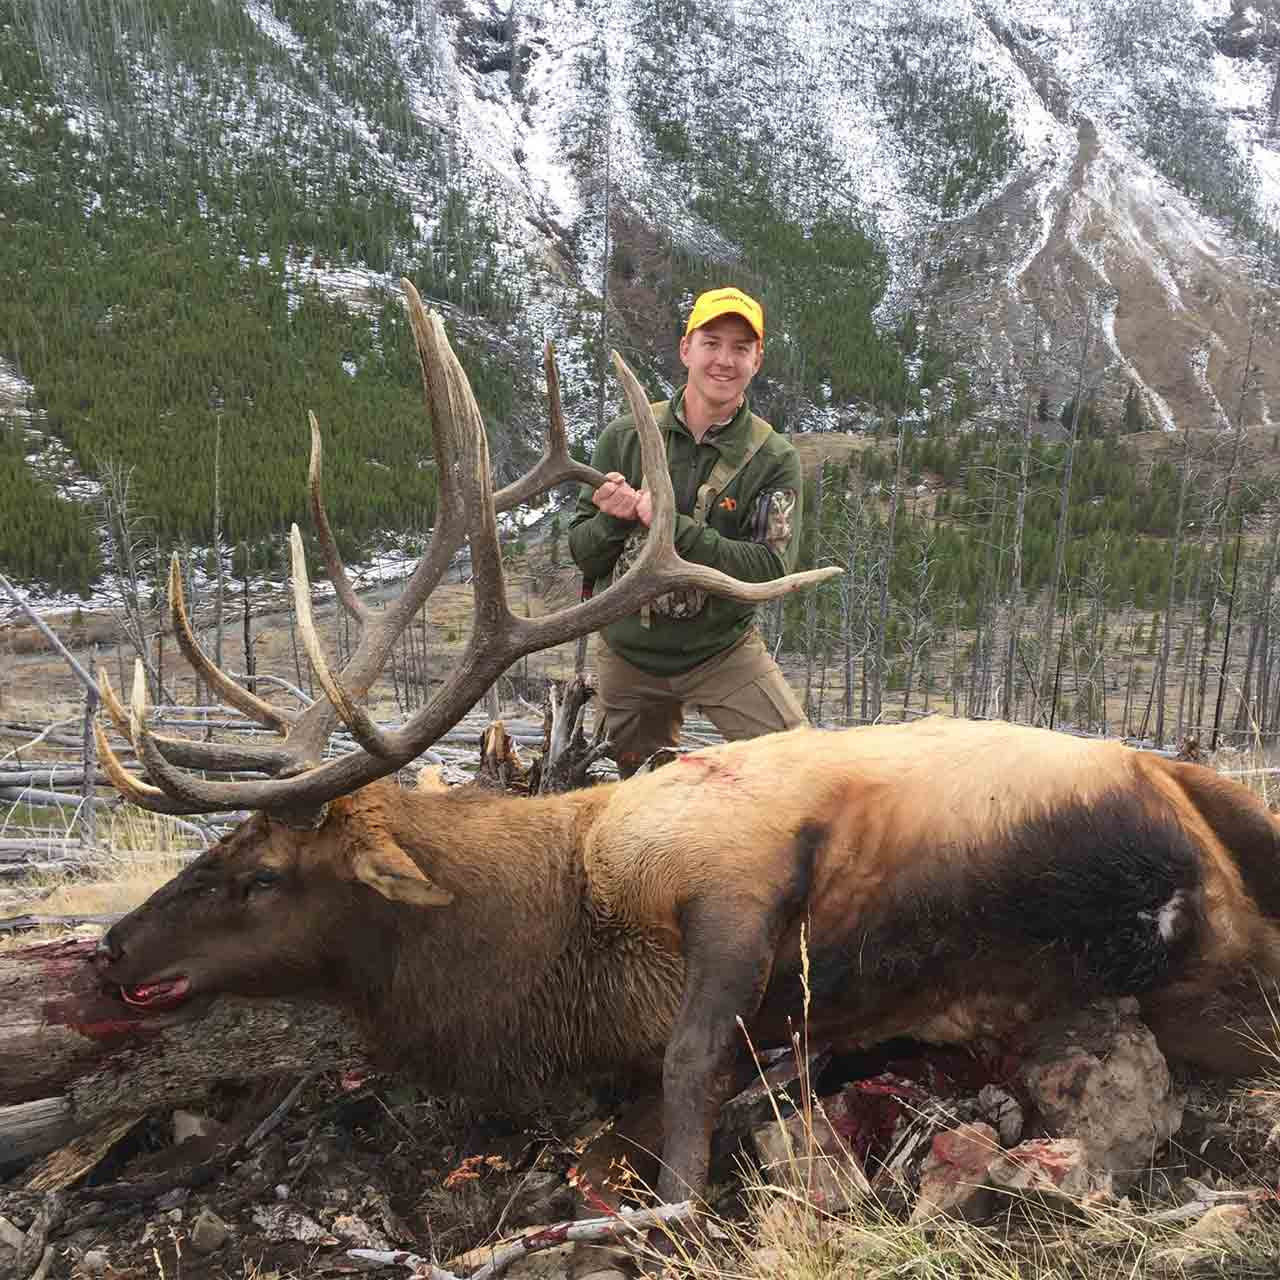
941	880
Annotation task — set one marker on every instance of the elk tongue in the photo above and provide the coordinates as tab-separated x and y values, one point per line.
157	995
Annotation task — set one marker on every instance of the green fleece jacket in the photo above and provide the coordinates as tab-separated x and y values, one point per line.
752	532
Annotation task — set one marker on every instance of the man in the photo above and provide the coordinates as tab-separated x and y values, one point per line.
738	493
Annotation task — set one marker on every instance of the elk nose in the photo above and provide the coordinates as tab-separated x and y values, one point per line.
108	950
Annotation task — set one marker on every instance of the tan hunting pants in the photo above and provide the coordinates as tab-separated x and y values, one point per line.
741	691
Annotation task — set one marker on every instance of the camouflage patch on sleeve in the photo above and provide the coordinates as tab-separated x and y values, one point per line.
779	521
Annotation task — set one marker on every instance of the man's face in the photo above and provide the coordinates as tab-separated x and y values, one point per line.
722	357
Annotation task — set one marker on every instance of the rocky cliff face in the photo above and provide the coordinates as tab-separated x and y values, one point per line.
1030	171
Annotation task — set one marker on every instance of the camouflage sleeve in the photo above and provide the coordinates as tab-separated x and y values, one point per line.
775	521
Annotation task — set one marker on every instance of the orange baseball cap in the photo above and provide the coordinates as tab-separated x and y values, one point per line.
726	302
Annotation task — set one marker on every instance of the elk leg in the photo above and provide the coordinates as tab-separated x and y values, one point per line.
1228	1031
728	957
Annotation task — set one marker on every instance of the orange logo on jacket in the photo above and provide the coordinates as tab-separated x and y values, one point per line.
728	504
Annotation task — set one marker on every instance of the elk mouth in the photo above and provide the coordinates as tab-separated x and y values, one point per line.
165	994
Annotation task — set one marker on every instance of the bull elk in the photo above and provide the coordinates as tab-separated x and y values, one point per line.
942	880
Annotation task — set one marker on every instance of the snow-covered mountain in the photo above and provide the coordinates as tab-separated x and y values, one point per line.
952	204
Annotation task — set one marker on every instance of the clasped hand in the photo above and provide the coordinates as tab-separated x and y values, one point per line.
617	498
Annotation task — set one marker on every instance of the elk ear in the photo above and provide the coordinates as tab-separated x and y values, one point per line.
386	868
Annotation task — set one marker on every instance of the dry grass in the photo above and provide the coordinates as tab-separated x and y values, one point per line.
140	851
782	1235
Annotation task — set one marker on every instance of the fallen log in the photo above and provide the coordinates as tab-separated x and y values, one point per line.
28	922
62	1037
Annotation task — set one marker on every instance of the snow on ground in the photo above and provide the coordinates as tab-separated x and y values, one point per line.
277	32
1199	365
14	390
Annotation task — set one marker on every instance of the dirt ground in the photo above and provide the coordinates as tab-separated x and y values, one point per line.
376	1164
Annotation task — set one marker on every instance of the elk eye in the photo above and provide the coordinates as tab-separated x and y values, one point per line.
264	879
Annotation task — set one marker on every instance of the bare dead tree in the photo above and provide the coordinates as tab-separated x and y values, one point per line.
1162	671
124	533
1064	504
811	601
920	605
1016	587
1186	692
886	571
1266	610
1226	640
217	542
1225	510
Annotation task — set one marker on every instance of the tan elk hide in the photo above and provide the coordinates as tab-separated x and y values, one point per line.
953	879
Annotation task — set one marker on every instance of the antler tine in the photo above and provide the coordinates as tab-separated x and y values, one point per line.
179	792
132	788
223	756
556	464
115	708
138	702
240	698
653	457
328	543
366	733
474	481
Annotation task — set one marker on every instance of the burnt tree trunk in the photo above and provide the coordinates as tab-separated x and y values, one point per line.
73	1055
566	753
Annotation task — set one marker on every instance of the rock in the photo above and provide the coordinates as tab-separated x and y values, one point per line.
818	1164
94	1263
778	1085
1098	1075
1052	1169
1221	1223
173	1199
358	1233
953	1177
998	1107
284	1222
208	1232
550	1264
191	1124
10	1236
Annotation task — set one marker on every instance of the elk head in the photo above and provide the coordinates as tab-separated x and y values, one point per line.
265	870
269	909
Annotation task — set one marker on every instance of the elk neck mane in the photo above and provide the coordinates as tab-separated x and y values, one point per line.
527	976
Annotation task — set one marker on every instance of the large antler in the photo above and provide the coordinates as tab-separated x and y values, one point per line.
467	509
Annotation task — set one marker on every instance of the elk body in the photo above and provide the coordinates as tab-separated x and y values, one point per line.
942	880
951	879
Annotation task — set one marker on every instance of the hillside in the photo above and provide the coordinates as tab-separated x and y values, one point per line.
208	205
962	218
